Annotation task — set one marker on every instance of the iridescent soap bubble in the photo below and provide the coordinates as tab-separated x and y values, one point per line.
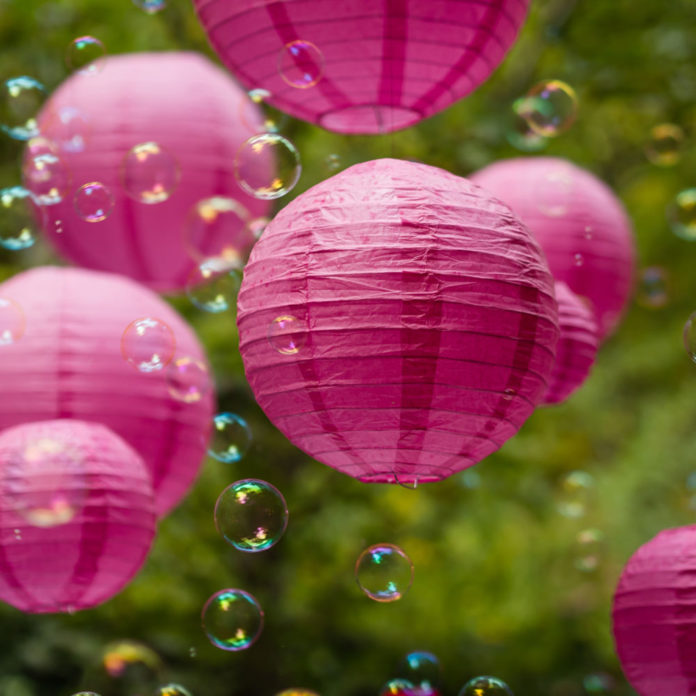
665	146
689	336
297	692
422	669
20	101
70	129
18	218
653	288
12	322
598	683
133	668
589	545
148	344
44	173
578	259
93	202
332	163
301	64
257	226
273	120
550	108
520	134
384	572
485	686
188	380
251	515
576	490
398	687
173	690
681	214
554	192
267	166
231	438
287	334
213	285
84	54
150	6
218	226
232	619
150	173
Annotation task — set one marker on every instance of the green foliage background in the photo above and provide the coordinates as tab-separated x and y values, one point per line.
496	589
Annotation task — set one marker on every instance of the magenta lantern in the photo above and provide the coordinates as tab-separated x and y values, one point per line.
577	346
69	364
357	66
76	515
579	222
654	615
397	323
190	119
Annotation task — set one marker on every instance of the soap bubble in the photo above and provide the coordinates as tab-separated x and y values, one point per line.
421	669
84	54
231	438
384	572
576	489
589	544
44	173
173	690
86	693
150	6
251	515
332	163
554	192
653	288
520	134
549	108
690	336
18	218
148	344
301	64
213	284
267	166
150	173
232	619
94	202
598	683
273	120
287	334
398	687
485	686
297	692
20	101
12	322
188	380
665	146
578	259
257	226
681	214
133	668
69	128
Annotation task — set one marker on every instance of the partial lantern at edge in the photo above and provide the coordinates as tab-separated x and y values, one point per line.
361	66
397	323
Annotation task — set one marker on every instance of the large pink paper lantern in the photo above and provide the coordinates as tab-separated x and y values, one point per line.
69	364
654	615
197	114
577	346
579	222
397	323
362	66
76	515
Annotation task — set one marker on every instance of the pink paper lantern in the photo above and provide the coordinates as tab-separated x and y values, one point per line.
69	364
76	515
654	618
577	346
197	115
579	222
361	66
397	323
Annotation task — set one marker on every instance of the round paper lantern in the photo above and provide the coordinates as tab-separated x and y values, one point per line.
579	222
361	66
654	617
577	345
397	323
69	364
197	117
76	515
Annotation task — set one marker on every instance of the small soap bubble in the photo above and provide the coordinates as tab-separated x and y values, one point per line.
520	134
150	173
257	226
133	668
588	233
301	64
653	288
578	259
384	572
18	534
665	145
598	683
148	344
19	214
44	173
398	687
550	108
231	438
173	690
193	653
69	128
589	543
188	380
554	192
297	692
485	686
232	619
84	54
332	163
12	322
93	202
690	336
251	515
576	489
422	669
213	285
150	6
267	166
20	101
287	334
681	214
272	120
86	693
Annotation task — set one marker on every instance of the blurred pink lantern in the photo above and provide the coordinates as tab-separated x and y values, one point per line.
577	346
143	142
397	323
77	515
579	222
654	615
73	362
361	66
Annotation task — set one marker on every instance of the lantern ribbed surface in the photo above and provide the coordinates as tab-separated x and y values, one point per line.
654	619
577	346
185	104
69	364
424	322
579	222
76	515
374	66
